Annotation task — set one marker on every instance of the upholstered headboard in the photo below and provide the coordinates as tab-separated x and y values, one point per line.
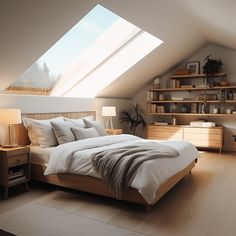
22	134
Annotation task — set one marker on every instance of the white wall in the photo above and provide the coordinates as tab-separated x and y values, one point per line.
228	58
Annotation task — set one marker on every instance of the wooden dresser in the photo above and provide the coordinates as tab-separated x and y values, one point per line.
198	136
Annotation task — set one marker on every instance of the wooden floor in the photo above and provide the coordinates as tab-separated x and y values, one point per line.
202	204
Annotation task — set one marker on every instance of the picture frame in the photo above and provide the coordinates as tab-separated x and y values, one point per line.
193	67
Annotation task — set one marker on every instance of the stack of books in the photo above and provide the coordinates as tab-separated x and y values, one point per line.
160	123
16	174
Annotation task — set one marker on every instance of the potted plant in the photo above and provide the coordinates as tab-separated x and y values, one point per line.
211	67
134	116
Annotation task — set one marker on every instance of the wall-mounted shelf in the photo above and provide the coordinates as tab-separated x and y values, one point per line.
191	101
223	74
205	99
190	114
192	89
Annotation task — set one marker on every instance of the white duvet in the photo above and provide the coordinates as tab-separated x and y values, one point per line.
75	157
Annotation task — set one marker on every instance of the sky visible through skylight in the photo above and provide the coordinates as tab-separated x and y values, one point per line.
81	36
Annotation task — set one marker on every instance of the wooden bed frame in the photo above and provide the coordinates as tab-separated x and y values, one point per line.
84	183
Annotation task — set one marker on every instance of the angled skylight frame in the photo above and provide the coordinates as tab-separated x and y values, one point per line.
114	45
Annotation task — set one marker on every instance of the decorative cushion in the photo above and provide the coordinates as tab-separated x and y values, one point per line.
97	125
40	131
81	133
62	130
79	122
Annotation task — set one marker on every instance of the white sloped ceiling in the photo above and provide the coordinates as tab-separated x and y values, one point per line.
29	27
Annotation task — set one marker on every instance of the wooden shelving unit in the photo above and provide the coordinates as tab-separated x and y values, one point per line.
192	89
190	114
196	76
202	97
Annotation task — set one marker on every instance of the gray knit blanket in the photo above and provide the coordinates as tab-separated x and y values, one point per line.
117	166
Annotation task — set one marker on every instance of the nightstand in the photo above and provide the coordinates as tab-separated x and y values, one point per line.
14	167
114	131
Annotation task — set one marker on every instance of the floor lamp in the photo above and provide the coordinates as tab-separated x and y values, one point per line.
109	111
10	117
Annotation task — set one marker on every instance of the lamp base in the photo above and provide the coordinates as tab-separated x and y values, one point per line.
9	145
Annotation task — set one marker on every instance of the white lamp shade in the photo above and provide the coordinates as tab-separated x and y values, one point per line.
10	116
109	111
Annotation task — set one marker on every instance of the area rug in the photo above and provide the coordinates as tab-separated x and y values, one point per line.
36	219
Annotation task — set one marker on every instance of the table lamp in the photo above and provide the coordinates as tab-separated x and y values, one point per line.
10	117
109	111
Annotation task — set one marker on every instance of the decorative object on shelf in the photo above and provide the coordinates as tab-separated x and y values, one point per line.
215	110
177	98
193	67
224	83
204	108
10	117
173	108
211	67
203	96
134	116
174	121
160	109
156	83
161	97
184	109
109	112
230	95
182	72
228	111
194	108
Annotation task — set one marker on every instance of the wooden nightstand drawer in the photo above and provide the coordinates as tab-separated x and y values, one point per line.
17	160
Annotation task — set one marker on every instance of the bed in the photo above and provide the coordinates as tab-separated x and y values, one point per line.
90	182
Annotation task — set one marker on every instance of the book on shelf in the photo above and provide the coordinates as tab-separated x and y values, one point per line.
160	109
160	123
17	180
200	86
175	83
153	108
16	174
186	86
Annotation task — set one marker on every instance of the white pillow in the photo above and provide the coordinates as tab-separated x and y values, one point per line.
75	122
97	125
40	131
31	132
79	122
81	133
62	130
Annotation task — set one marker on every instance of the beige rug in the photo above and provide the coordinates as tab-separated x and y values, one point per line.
36	219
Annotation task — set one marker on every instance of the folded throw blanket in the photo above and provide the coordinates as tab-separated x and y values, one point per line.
118	166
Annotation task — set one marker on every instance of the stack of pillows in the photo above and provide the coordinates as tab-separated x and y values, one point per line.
50	133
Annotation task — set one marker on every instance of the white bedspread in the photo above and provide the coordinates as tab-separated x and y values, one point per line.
75	157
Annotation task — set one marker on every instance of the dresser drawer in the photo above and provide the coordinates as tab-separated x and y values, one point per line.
17	160
165	133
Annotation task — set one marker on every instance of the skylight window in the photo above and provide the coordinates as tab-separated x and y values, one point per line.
95	52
